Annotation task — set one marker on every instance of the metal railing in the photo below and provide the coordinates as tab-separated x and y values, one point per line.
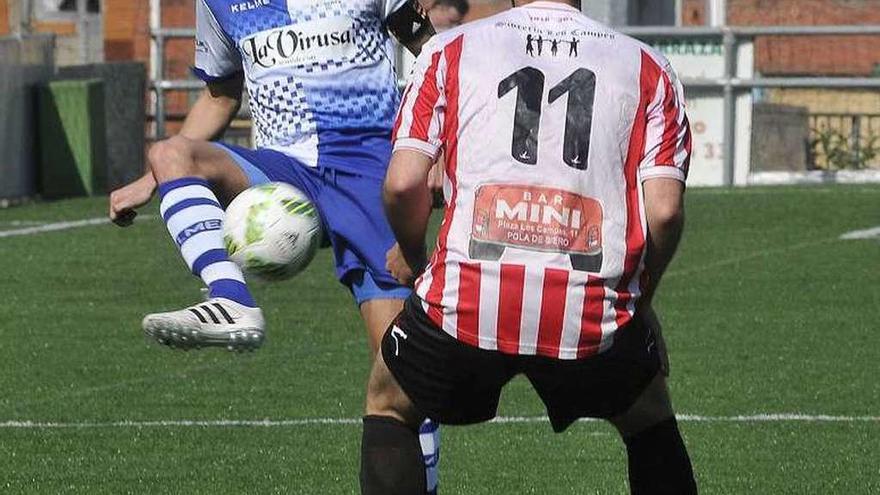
729	83
844	140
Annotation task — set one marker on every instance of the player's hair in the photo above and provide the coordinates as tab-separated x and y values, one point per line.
462	6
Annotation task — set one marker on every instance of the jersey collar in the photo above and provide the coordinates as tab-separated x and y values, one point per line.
551	6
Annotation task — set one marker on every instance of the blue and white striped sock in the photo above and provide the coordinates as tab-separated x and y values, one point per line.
429	437
195	221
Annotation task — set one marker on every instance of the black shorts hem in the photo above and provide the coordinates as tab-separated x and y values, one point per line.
455	383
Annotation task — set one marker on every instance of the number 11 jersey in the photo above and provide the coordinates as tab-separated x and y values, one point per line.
549	123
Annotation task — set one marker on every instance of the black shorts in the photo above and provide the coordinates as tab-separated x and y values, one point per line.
456	383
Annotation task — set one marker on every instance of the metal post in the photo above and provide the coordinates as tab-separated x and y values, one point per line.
856	137
83	27
730	56
157	65
717	13
25	16
160	91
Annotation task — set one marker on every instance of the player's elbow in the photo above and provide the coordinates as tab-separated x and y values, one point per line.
223	105
664	203
407	177
666	220
667	214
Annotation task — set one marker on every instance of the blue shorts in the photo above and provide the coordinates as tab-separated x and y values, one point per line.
351	212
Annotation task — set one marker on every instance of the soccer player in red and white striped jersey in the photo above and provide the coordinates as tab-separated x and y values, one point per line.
567	146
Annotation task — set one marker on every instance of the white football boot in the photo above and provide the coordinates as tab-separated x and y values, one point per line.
217	322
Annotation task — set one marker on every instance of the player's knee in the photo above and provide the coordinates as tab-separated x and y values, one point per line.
644	420
651	408
171	159
380	396
378	404
386	398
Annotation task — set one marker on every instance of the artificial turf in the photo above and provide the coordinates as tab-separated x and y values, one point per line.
765	309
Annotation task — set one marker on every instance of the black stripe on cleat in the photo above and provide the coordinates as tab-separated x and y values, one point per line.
224	313
198	315
206	309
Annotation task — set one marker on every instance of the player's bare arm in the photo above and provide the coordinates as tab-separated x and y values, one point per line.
410	26
408	206
664	209
216	106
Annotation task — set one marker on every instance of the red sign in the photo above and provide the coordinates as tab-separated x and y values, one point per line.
538	219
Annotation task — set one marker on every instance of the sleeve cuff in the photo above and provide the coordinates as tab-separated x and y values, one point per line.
412	144
662	172
204	76
393	6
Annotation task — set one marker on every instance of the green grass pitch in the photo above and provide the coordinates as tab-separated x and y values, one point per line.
765	309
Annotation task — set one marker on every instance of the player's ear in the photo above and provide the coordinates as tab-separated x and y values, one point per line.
411	26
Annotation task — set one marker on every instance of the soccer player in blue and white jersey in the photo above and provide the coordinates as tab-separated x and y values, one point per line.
323	94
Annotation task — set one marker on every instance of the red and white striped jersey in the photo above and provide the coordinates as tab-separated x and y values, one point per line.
550	122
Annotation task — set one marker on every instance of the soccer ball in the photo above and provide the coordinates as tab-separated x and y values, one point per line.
272	231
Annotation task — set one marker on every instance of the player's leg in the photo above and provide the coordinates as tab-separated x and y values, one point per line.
195	179
378	315
178	157
353	210
658	460
391	457
421	371
626	385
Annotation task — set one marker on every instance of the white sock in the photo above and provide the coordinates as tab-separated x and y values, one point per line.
429	437
195	221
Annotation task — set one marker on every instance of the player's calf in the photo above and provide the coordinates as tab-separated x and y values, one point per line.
391	456
391	459
658	460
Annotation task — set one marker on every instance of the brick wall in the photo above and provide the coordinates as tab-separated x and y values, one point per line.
4	17
812	55
126	30
127	37
809	55
179	53
693	12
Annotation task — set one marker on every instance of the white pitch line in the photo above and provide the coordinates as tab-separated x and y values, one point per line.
748	257
268	423
752	418
23	223
54	227
872	233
